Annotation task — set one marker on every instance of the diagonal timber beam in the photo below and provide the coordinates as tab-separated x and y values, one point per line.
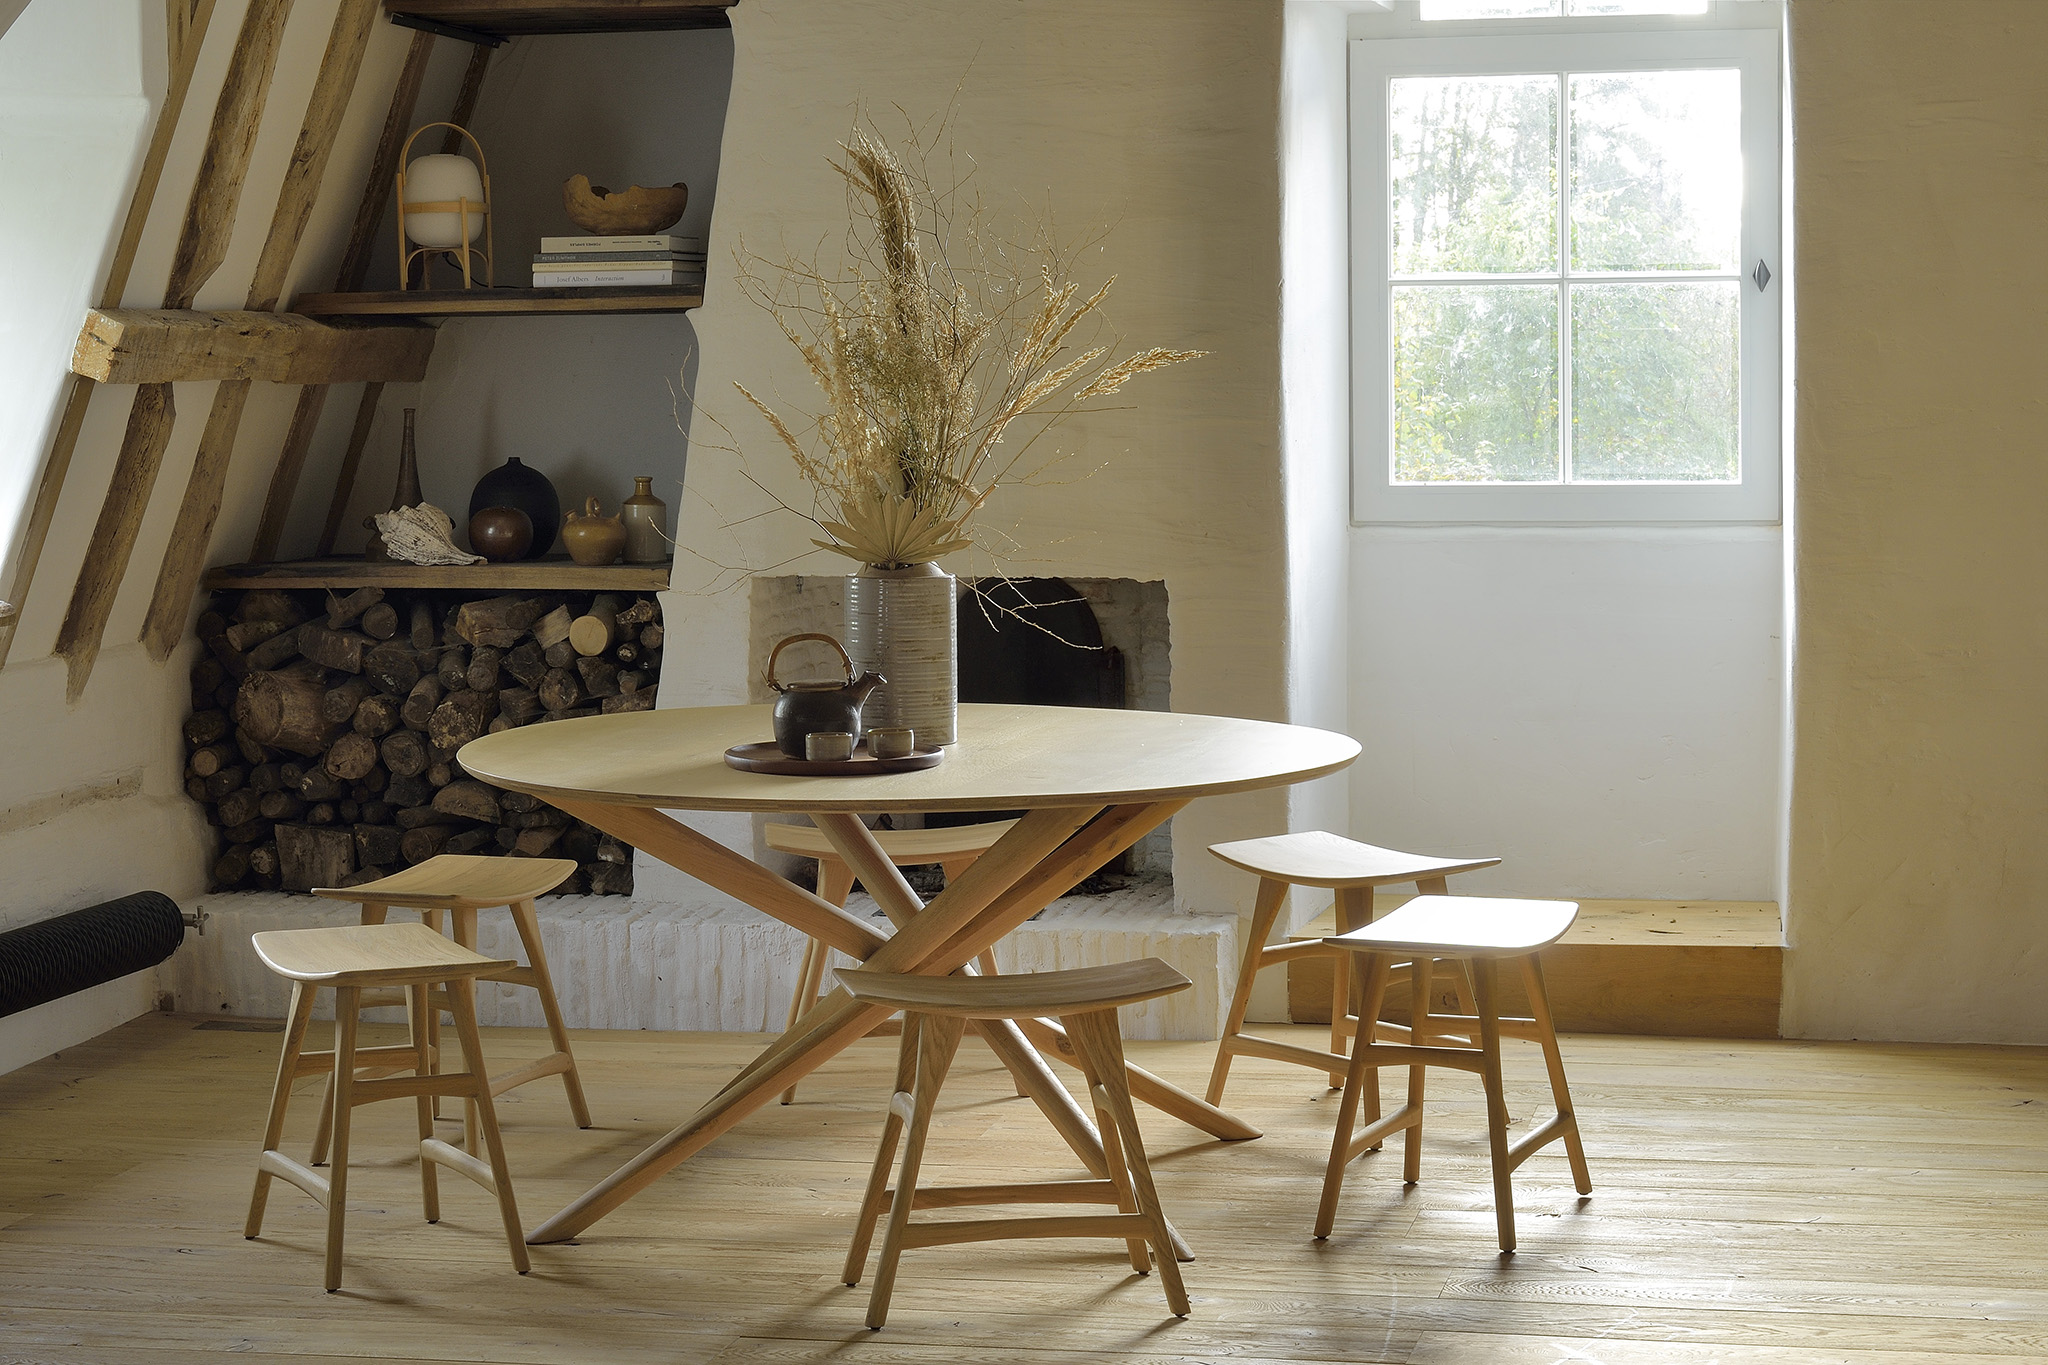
202	244
187	32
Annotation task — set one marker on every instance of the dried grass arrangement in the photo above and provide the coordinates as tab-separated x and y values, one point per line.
934	340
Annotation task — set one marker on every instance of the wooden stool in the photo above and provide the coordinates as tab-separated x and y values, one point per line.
349	959
1352	870
936	1009
953	848
1482	933
460	885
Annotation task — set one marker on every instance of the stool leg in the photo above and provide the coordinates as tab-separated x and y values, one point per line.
885	1155
812	967
986	963
323	1131
1420	972
527	919
434	920
1354	911
1484	984
1372	1001
347	1008
835	884
1360	1075
1137	1248
1539	1006
938	1038
1461	976
462	999
1265	910
416	1012
1098	1039
280	1096
463	924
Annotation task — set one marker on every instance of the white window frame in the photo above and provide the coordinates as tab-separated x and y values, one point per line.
1375	62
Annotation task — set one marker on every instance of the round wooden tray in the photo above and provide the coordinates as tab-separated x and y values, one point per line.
767	758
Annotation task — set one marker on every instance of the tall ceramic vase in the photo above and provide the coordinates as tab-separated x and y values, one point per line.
900	624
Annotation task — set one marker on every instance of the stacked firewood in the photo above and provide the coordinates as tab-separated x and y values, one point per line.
324	727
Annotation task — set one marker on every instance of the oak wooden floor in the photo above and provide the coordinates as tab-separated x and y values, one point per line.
1755	1202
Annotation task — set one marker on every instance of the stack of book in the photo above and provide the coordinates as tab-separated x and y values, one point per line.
659	262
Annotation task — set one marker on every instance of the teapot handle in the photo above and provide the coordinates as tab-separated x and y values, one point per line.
844	657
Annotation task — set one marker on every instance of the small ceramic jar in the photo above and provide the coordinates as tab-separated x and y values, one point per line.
593	539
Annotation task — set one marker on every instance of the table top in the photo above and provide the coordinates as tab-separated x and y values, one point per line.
1008	758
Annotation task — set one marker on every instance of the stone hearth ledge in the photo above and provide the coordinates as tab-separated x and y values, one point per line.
674	964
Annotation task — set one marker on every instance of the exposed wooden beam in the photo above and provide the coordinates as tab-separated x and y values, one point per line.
237	116
284	481
202	243
106	561
345	482
185	555
187	32
157	346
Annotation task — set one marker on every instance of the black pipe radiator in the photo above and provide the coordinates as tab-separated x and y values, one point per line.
47	961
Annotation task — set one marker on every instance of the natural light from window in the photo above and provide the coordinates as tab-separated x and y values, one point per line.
1554	9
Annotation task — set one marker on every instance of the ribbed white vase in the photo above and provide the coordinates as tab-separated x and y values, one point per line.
900	624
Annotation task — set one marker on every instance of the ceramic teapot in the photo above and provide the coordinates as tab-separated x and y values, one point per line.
806	708
593	538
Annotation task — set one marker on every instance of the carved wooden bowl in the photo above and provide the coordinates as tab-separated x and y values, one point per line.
623	213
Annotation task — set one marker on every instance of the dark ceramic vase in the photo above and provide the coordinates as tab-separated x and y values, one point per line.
513	484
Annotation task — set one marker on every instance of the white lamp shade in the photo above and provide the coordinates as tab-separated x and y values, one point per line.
443	180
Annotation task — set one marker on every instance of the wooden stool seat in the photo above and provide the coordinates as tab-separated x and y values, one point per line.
459	885
936	1011
1332	862
347	960
1481	934
953	847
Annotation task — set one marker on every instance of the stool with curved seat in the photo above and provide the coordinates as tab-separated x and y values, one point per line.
1482	933
459	886
936	1011
954	848
349	960
1352	870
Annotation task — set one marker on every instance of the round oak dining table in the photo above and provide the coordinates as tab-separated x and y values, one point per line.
1090	783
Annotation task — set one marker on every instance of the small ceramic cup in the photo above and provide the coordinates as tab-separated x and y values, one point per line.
892	742
825	745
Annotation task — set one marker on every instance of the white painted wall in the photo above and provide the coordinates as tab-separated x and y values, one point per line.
75	104
1599	707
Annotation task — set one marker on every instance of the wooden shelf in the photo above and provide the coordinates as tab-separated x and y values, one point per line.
456	303
355	572
504	20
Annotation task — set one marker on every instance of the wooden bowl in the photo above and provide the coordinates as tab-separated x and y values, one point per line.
624	213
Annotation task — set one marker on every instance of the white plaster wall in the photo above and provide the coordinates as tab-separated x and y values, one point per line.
1920	774
1156	117
1599	707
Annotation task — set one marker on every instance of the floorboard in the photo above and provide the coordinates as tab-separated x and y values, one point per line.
1755	1203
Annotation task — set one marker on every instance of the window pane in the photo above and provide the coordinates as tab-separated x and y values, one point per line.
1656	170
1654	382
1475	384
1492	9
1474	161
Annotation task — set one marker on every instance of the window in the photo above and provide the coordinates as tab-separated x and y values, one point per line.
1564	269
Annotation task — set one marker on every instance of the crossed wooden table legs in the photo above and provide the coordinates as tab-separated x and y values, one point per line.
1043	857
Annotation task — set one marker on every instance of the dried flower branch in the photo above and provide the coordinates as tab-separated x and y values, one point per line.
933	339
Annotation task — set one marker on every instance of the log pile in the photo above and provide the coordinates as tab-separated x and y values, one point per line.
324	727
